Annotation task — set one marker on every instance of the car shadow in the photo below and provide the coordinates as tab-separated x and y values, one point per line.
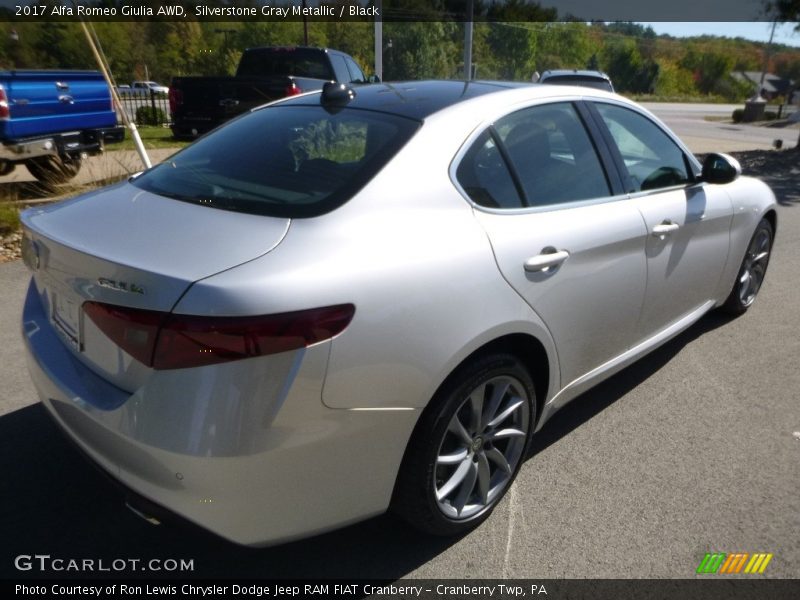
55	503
600	397
784	185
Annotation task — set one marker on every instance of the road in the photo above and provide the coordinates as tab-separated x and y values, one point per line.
694	449
689	122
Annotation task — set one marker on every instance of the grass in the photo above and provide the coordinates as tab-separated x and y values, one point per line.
9	218
152	137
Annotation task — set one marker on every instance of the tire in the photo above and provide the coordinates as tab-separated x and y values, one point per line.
54	169
752	271
457	468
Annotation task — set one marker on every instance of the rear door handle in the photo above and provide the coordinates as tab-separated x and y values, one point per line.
546	260
664	229
66	99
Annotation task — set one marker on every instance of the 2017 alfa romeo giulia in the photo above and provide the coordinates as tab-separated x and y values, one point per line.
355	300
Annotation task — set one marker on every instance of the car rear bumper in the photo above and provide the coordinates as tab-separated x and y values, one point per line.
247	451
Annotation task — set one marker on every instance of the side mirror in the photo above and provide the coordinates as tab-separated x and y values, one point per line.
720	168
373	79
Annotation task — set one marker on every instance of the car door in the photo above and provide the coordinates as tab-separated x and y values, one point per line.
562	236
688	223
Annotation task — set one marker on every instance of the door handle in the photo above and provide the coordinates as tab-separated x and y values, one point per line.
66	99
664	229
546	260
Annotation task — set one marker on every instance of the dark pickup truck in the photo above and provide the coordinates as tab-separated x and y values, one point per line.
51	120
198	104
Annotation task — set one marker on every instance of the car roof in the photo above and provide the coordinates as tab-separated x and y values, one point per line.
414	99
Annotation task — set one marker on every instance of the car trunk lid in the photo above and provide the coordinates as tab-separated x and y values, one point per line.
128	247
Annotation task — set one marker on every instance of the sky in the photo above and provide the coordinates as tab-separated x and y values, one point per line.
758	31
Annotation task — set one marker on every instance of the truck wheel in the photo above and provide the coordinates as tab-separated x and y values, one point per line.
54	169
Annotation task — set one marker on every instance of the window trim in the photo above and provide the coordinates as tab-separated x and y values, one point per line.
692	164
615	193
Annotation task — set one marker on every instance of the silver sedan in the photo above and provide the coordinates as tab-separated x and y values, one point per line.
365	299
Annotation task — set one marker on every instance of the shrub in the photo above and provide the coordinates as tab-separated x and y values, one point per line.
147	115
738	115
9	218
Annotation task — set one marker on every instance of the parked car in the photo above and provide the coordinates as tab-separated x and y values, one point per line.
50	120
372	298
198	104
145	88
592	79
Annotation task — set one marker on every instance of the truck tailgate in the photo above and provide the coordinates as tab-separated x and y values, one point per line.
45	102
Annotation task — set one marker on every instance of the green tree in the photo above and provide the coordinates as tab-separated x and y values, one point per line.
419	50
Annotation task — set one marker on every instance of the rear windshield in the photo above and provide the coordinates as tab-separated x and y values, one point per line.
282	161
299	62
592	82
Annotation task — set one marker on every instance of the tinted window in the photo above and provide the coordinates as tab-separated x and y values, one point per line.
582	80
651	158
485	177
356	73
339	66
301	62
286	161
552	154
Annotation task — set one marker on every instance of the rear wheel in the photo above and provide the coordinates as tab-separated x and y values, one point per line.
54	169
468	446
752	272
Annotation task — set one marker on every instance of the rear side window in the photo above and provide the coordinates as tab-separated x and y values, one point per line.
283	161
652	160
537	156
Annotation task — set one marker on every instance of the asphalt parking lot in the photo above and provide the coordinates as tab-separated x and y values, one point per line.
694	449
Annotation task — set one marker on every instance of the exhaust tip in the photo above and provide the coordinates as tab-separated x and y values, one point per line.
141	511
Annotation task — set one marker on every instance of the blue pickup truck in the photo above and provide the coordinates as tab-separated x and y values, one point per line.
51	120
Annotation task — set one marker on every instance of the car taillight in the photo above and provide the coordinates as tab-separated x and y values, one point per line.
292	90
175	99
5	112
171	341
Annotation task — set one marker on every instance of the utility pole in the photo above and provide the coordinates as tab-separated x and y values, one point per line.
379	40
468	24
766	58
305	25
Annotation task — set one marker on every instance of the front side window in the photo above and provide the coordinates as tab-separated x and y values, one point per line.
652	159
283	161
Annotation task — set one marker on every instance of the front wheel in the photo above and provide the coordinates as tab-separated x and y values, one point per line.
54	169
468	446
753	270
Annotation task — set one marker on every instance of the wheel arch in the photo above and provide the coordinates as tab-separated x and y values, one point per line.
772	217
526	347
